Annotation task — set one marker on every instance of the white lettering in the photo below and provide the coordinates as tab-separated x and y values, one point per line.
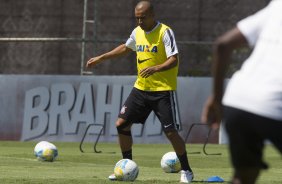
83	111
62	100
35	116
61	111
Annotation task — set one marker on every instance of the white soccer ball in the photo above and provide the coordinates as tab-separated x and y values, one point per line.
126	170
170	163
45	151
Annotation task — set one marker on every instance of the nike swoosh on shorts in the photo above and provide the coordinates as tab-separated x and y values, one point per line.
167	125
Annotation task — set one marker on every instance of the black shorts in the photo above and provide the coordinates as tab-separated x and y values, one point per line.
247	134
140	104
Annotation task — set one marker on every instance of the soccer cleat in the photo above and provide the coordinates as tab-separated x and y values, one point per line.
186	176
112	177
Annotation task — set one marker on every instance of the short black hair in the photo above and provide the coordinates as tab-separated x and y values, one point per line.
151	6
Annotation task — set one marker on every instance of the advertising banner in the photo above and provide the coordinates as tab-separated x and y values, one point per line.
59	108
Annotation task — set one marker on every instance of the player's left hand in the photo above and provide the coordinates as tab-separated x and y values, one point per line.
147	72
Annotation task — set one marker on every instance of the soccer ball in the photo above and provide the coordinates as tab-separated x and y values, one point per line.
45	151
126	170
170	163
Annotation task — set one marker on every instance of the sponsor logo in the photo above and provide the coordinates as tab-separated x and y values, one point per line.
146	48
143	60
57	111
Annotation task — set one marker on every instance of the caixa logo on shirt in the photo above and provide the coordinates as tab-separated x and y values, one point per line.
146	48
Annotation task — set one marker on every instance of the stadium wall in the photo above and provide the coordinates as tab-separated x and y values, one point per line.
59	107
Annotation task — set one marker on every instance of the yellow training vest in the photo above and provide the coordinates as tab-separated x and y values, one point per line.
150	51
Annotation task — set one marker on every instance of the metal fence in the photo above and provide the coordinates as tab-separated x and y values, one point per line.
57	36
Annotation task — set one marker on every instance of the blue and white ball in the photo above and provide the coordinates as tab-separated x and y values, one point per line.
126	170
170	163
45	151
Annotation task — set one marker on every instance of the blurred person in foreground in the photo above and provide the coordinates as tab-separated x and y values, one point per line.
252	102
154	89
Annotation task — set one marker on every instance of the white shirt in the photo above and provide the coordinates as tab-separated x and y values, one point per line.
257	86
168	40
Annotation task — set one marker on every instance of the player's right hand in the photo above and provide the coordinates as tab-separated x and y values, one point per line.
93	61
212	112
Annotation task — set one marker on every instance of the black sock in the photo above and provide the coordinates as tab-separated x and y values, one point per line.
127	154
184	162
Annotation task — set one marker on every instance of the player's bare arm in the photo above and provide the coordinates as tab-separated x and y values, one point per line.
223	48
168	64
117	52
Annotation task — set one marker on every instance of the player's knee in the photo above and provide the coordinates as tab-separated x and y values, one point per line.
123	128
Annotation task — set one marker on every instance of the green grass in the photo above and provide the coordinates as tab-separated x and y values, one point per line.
19	166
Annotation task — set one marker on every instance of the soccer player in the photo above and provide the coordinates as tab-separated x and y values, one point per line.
252	103
157	65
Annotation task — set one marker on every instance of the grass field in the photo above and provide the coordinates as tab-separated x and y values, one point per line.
18	164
